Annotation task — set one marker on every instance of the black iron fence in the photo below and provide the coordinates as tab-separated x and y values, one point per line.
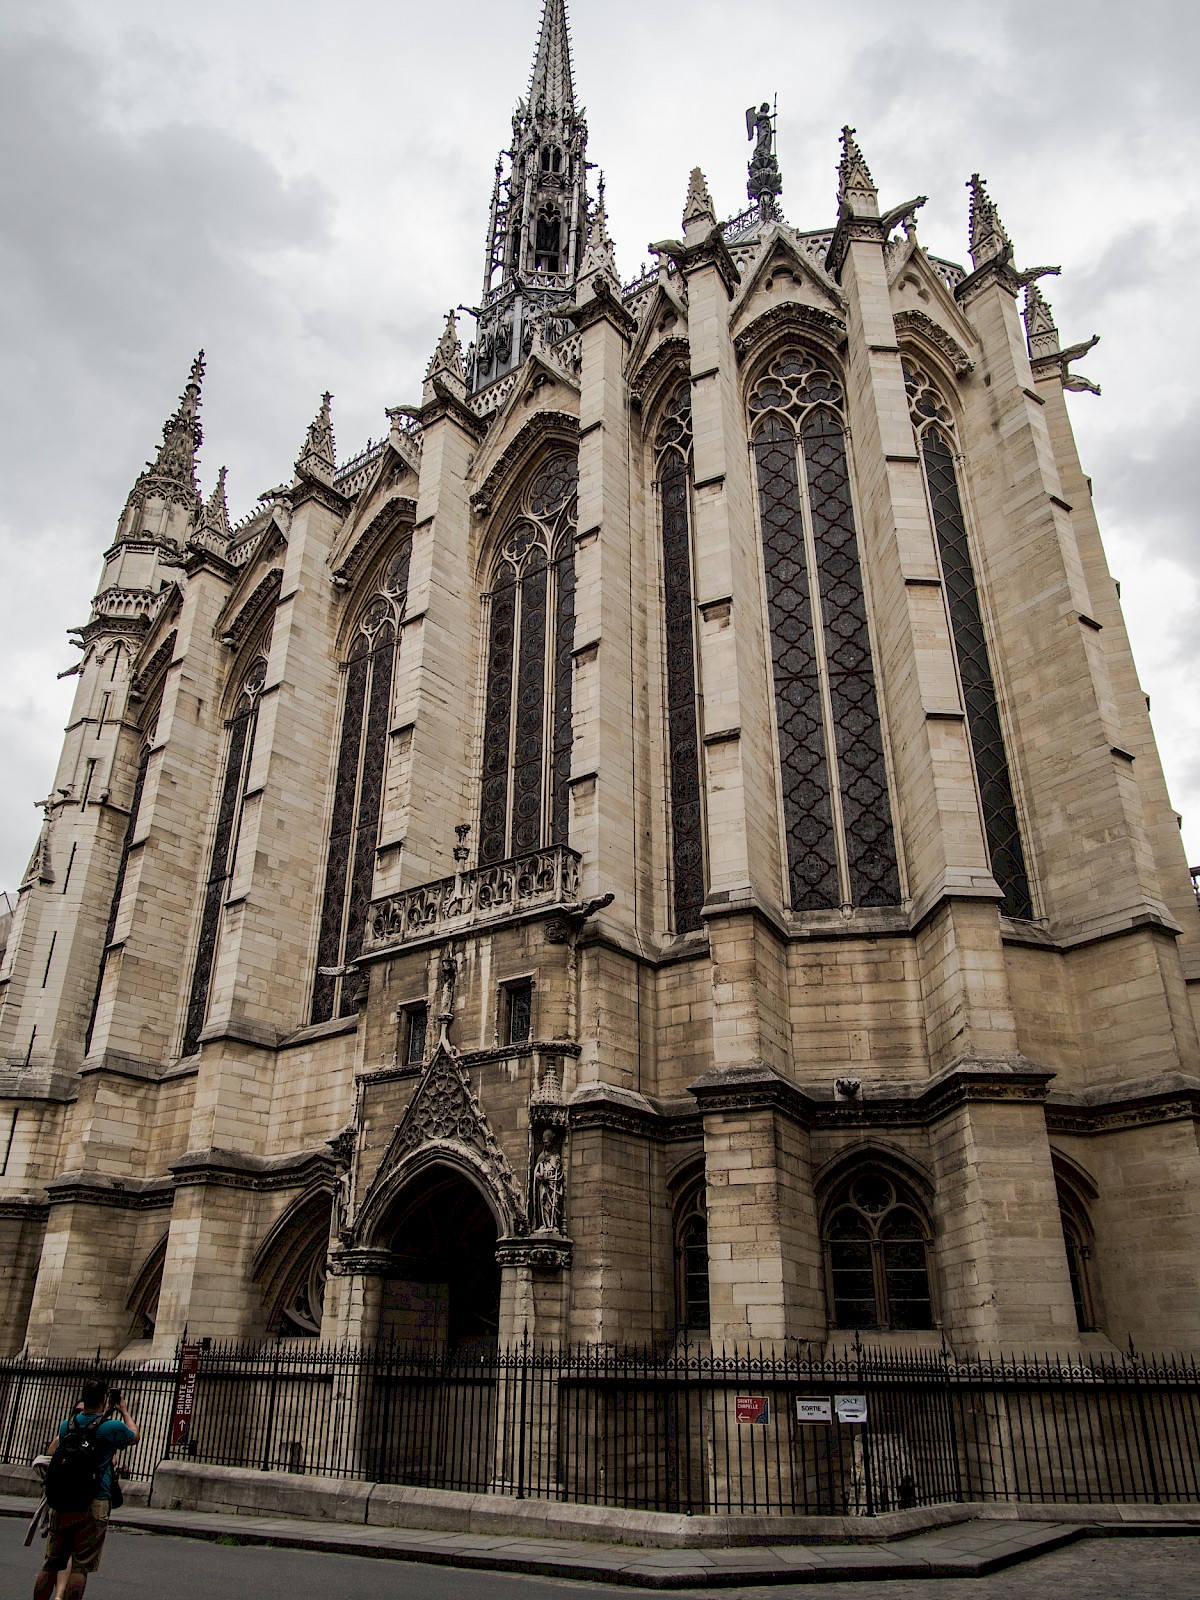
35	1396
687	1430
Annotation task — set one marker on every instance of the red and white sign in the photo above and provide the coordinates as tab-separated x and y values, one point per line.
185	1396
753	1408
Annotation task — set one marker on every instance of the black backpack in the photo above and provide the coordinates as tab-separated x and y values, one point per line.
73	1476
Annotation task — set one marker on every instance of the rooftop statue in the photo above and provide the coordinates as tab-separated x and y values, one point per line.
765	183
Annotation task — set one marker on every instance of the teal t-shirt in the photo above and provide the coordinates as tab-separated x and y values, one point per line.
111	1436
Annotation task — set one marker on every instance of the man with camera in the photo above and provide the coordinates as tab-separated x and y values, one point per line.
80	1488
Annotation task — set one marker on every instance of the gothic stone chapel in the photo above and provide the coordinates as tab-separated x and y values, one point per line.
667	844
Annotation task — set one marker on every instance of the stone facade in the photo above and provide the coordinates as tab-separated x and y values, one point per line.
669	841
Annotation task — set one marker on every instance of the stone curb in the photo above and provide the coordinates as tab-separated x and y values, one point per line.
964	1550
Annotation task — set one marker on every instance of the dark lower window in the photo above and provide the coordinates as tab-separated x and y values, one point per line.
876	1252
518	1001
416	1020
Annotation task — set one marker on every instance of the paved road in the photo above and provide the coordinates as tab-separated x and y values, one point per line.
151	1567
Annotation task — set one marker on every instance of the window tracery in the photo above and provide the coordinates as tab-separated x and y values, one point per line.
934	428
240	752
531	635
135	803
1078	1242
837	809
673	448
358	789
691	1260
876	1255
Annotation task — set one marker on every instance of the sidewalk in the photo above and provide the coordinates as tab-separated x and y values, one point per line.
967	1549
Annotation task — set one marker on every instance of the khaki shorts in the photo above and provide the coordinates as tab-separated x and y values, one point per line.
77	1537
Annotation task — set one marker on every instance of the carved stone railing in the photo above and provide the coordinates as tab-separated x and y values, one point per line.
542	878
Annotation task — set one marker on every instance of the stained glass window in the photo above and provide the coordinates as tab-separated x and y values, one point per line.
837	812
674	447
224	851
526	772
358	789
876	1254
118	888
934	425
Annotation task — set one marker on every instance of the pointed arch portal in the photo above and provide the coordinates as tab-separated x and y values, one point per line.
443	1286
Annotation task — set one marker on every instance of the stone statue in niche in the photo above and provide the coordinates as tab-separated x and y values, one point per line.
504	338
548	1187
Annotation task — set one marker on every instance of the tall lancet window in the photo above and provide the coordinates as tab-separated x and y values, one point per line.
673	448
358	789
238	756
531	634
836	808
935	433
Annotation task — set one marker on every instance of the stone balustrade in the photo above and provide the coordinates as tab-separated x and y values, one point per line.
541	878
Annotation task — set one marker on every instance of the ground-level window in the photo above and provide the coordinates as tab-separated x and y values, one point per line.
876	1256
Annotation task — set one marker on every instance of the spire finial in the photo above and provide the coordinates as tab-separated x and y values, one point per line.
551	83
698	208
448	355
318	457
988	240
599	255
857	194
175	462
1041	335
212	531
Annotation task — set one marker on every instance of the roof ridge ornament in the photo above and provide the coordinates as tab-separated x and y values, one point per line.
765	184
698	207
318	458
988	240
857	194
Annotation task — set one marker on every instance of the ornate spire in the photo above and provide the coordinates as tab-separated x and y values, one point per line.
318	457
989	242
447	358
213	530
172	473
551	84
1041	335
698	208
599	255
857	194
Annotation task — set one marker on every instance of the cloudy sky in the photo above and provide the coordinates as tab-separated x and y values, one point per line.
302	189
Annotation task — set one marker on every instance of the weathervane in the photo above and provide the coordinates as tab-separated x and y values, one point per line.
765	183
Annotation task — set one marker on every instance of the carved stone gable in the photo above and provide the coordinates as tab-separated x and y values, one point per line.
446	1111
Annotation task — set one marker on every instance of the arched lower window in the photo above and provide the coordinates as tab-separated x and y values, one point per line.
673	448
547	239
837	810
358	789
876	1256
238	756
114	908
934	427
1077	1239
691	1260
531	635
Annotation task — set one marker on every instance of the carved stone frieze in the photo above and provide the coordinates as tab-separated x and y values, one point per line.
787	318
915	324
543	425
670	355
545	1252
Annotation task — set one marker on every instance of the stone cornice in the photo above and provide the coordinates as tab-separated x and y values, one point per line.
541	425
233	1169
850	228
447	406
546	1252
33	1083
759	1087
24	1208
998	272
99	1189
604	306
1109	1108
711	251
307	487
915	324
